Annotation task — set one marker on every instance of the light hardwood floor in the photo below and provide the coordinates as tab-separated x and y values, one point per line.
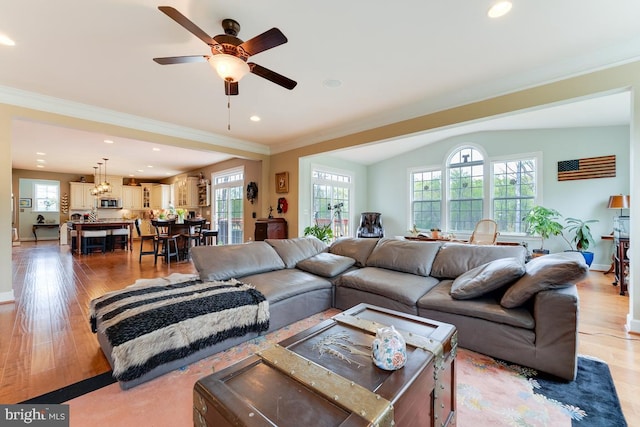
46	341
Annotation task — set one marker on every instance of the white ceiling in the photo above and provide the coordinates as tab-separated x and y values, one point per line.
394	60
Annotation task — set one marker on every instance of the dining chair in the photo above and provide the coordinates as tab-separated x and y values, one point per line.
145	237
484	233
166	241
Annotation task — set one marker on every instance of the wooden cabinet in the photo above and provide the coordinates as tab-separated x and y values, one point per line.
80	197
159	196
131	197
271	228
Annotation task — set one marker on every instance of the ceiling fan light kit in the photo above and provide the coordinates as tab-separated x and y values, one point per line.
229	68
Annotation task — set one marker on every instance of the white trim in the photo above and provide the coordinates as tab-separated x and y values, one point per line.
50	104
7	297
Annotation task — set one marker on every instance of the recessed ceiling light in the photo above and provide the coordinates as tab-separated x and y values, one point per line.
39	166
40	153
332	83
149	166
254	118
499	9
140	170
40	160
155	149
131	175
108	141
4	40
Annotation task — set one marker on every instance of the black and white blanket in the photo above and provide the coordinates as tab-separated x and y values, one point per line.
149	325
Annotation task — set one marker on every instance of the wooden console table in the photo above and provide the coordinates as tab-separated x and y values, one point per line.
35	227
621	262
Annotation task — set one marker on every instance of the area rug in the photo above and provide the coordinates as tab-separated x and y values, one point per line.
490	392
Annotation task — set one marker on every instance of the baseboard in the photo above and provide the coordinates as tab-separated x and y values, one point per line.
6	297
633	325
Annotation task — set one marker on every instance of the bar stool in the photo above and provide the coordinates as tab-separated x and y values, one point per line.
145	238
169	241
94	239
193	235
210	237
118	237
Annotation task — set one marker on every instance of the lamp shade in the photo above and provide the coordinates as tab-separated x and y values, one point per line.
619	201
229	67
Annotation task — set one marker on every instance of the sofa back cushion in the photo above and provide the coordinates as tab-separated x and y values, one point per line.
486	278
354	247
233	261
407	256
326	264
553	271
292	251
455	259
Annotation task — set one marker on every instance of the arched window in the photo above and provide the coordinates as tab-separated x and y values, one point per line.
465	189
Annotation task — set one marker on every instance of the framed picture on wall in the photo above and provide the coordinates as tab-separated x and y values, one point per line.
282	182
24	203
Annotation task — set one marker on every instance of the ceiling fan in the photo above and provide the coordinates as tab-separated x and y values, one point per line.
229	54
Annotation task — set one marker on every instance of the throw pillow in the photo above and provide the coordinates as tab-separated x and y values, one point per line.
546	272
326	264
486	278
354	247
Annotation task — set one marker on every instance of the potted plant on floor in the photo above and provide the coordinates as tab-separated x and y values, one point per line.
543	222
582	237
322	232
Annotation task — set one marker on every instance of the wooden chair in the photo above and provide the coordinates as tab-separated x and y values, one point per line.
146	237
484	233
168	239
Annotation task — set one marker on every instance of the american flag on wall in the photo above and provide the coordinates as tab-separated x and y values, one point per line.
591	167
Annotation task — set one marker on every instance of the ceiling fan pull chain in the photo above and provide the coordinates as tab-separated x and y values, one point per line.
228	112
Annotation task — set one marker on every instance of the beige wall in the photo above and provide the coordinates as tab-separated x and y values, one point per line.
622	77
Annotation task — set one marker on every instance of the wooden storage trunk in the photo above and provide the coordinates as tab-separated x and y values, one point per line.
324	376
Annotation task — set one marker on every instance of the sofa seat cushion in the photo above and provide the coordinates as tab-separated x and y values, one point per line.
455	259
297	249
282	284
402	287
487	277
487	307
408	256
543	273
354	247
226	262
326	264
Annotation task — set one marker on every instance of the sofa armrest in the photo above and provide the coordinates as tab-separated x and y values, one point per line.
556	315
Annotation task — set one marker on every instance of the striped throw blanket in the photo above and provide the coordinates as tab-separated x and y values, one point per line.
150	325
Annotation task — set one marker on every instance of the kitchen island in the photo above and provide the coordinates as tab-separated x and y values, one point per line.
100	225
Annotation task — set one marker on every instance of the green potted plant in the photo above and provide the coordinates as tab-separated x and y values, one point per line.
582	237
543	222
322	232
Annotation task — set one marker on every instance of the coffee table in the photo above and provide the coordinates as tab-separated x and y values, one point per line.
324	376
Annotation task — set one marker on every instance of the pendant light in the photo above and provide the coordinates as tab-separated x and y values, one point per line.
106	187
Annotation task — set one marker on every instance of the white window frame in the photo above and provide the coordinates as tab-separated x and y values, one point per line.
537	157
215	186
352	226
425	169
45	183
447	205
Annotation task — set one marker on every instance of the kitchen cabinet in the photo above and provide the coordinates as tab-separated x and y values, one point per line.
80	197
160	196
131	197
203	193
186	192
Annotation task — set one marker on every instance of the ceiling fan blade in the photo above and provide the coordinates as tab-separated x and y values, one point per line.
264	41
230	88
187	24
272	76
181	59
